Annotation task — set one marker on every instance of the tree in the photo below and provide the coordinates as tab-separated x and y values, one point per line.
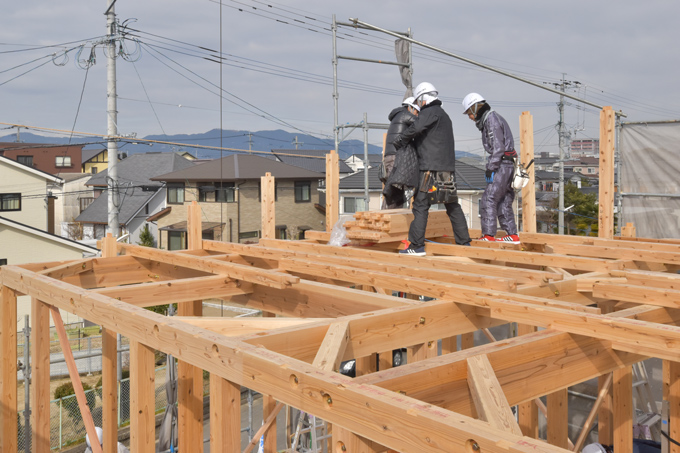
583	217
146	239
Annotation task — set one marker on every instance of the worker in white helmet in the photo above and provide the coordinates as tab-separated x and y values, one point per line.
496	202
432	136
100	438
397	183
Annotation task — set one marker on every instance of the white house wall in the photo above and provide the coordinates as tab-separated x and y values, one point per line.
33	189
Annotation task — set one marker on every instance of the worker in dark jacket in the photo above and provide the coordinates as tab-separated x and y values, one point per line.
432	137
400	119
496	202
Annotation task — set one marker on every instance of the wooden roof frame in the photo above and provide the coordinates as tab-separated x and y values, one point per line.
603	304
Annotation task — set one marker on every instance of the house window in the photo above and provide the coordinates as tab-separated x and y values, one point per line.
63	161
303	191
93	170
225	192
10	202
3	261
84	202
26	160
176	193
259	191
354	204
177	240
249	235
592	170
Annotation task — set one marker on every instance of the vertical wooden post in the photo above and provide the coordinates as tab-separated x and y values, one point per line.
268	197
366	365
190	378
672	395
623	410
628	231
526	140
527	413
467	340
109	370
606	200
40	375
142	399
421	352
225	415
332	189
604	414
8	371
345	440
558	419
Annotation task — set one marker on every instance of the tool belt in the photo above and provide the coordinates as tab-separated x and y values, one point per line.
440	187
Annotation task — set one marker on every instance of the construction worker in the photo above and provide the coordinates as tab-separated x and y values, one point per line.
496	202
400	119
432	136
100	436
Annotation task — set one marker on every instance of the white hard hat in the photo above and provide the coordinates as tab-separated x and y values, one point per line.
470	100
411	102
100	436
425	88
593	448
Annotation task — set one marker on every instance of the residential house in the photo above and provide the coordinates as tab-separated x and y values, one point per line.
25	195
585	165
21	244
71	199
228	190
95	160
140	196
53	159
352	192
549	181
310	159
584	147
356	161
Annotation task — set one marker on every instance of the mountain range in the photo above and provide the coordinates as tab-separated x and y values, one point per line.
232	141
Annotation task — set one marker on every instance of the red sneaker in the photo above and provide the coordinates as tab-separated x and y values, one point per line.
510	238
487	238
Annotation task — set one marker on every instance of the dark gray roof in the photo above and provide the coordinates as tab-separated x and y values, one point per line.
238	167
88	154
469	177
474	161
373	158
356	180
295	157
542	175
133	199
138	169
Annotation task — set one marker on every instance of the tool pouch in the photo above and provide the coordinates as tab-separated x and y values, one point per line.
442	188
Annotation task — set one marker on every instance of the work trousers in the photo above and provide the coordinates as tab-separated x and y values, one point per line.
421	209
496	202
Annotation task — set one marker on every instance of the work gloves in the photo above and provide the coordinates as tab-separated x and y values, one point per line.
489	176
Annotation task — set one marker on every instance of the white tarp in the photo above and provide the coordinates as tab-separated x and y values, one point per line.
650	165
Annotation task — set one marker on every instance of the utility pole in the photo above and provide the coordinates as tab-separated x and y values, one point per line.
366	195
563	136
296	142
250	141
112	119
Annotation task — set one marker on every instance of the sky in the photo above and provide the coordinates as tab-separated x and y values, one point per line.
277	67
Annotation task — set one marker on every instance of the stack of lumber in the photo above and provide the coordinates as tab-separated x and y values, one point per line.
392	225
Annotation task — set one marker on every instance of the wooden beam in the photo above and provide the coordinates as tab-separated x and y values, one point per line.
40	375
270	373
558	418
526	140
673	403
8	371
109	369
332	349
488	397
168	292
267	205
623	410
518	274
194	226
606	197
519	257
641	294
234	327
527	412
225	415
617	253
587	425
85	413
69	269
332	189
345	440
142	399
233	270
